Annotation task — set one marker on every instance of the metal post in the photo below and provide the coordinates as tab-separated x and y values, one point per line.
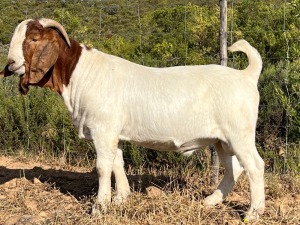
223	32
223	62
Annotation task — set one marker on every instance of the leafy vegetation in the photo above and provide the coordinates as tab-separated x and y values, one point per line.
160	33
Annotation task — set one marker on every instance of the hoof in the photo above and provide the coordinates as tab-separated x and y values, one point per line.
213	199
121	197
98	209
253	215
249	218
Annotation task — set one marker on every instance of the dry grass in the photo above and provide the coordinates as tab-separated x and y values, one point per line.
56	193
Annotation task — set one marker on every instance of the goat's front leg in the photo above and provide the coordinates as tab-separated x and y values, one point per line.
106	149
123	189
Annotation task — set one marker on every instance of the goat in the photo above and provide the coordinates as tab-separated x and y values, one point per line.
179	109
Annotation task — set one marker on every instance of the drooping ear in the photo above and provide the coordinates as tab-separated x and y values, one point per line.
44	57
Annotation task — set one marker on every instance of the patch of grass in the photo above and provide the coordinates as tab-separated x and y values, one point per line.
32	192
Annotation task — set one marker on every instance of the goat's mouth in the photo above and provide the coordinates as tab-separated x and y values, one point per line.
6	72
10	70
19	70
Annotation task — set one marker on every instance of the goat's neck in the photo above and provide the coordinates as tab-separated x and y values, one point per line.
65	65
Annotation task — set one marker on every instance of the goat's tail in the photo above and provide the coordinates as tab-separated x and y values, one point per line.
255	61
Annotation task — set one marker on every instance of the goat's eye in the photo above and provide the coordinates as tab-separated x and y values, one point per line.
34	39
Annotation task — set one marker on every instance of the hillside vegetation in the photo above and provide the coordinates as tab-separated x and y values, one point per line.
160	33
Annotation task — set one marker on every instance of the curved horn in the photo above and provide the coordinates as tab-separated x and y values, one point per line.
57	25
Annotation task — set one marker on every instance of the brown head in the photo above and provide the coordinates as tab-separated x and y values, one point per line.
42	54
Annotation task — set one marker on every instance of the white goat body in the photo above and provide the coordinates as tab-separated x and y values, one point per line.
178	109
161	108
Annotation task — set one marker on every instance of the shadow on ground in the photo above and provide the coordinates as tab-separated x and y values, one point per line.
80	184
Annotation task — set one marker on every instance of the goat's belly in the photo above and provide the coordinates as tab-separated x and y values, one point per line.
173	145
158	145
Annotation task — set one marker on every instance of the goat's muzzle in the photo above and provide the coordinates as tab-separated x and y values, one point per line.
6	72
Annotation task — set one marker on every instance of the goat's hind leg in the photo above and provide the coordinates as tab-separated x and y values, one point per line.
123	189
233	170
254	168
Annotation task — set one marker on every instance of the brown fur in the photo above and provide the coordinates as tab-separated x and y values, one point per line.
49	61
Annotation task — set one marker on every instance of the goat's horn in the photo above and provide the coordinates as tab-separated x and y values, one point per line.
58	26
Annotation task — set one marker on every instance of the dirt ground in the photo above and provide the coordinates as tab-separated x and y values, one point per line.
36	193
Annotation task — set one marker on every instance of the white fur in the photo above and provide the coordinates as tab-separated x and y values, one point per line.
177	109
15	52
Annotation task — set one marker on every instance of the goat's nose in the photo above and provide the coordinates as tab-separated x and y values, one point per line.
10	61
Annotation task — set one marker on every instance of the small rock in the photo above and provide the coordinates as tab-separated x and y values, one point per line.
153	192
43	214
36	181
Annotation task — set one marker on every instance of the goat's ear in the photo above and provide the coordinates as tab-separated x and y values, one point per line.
44	57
